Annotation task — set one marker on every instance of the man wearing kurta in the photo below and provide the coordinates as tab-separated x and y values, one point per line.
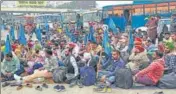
10	66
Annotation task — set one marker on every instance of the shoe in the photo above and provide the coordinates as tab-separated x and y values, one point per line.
39	88
72	84
17	78
7	79
19	87
29	85
57	88
15	84
62	88
11	78
159	92
80	84
100	90
101	85
4	79
5	84
44	85
97	89
108	90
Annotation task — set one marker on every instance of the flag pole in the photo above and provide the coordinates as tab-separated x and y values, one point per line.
99	62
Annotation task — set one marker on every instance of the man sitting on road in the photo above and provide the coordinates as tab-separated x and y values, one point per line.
72	67
107	74
151	74
10	66
46	71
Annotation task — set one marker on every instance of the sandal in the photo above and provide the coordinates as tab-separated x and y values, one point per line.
97	89
57	88
29	85
19	87
108	90
15	84
159	92
5	84
100	90
4	80
39	88
62	88
44	85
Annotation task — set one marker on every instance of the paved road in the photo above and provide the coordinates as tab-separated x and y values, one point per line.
77	90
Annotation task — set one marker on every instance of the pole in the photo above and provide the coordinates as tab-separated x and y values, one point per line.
0	39
0	28
169	7
156	8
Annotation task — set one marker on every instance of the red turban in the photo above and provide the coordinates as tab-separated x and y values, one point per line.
71	45
138	41
140	48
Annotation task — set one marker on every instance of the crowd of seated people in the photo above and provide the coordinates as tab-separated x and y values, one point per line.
148	61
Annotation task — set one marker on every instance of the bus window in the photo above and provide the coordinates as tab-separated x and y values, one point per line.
105	14
162	8
119	12
172	6
150	9
137	10
110	12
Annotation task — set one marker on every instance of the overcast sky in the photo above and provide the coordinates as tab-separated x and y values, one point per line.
105	3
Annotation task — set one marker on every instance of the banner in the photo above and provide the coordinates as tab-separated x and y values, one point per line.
31	3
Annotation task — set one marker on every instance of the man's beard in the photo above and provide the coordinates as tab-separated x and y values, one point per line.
167	38
153	58
66	54
167	52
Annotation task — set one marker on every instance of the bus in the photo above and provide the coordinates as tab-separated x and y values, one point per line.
92	16
139	10
69	16
48	18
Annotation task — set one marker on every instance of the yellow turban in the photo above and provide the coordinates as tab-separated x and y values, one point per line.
100	30
3	48
59	30
18	52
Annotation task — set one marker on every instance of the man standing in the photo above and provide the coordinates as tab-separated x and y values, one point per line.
152	29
